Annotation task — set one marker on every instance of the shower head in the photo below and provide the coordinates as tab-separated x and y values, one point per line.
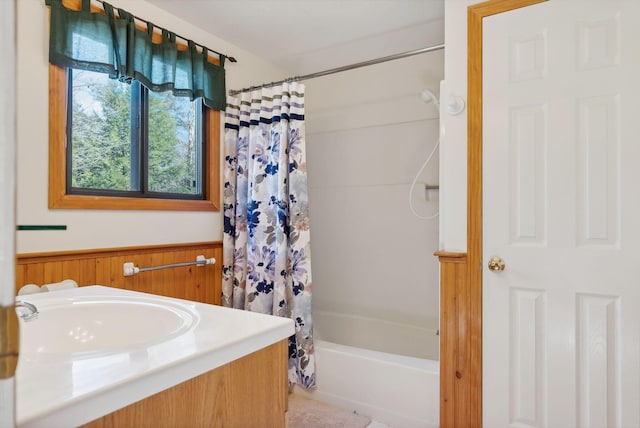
454	104
429	97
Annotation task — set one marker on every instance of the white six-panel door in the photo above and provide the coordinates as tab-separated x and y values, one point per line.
561	207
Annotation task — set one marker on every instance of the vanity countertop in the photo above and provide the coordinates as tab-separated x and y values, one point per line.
88	371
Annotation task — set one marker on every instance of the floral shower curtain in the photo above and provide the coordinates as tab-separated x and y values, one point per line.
266	250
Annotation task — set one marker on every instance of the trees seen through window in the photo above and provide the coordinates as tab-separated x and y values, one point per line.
128	141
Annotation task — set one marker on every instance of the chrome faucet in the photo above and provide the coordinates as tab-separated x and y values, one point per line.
30	313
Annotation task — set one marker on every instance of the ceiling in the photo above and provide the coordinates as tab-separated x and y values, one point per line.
306	36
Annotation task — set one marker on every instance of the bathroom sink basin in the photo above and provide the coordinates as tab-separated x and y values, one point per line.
94	349
94	325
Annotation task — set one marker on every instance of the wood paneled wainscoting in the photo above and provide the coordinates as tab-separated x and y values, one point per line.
458	385
105	267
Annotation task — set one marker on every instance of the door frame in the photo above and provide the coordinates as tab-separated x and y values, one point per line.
475	15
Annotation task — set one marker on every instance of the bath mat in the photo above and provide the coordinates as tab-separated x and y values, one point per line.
306	413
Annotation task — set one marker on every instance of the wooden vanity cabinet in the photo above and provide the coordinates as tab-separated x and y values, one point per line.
248	392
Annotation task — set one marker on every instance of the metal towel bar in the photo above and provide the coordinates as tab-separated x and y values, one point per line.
130	269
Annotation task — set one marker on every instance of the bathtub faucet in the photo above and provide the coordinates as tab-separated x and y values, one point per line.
30	313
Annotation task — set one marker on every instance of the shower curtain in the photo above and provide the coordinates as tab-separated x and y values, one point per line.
266	250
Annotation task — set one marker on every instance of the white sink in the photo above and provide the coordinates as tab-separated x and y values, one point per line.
86	326
93	350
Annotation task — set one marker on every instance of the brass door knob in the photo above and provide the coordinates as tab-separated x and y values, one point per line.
496	264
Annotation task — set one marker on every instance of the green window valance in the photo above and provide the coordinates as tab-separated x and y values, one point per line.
112	44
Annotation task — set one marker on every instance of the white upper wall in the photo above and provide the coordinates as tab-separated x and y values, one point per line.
7	182
96	229
101	228
453	149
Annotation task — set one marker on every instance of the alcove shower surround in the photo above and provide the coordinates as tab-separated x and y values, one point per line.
376	290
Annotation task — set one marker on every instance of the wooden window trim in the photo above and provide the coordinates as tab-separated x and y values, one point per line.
58	197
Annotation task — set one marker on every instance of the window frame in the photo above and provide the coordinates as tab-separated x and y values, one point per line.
58	197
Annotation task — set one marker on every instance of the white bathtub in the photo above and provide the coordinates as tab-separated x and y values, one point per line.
378	335
397	390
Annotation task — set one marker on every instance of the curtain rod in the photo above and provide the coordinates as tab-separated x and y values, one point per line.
230	58
343	68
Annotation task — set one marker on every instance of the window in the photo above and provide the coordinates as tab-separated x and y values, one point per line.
167	197
117	145
124	140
